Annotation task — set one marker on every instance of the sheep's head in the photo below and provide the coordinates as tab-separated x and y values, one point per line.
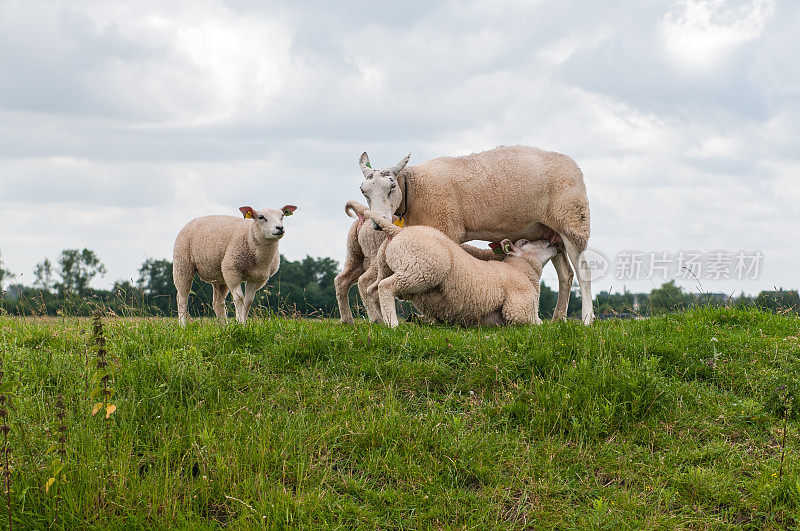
380	187
269	222
538	252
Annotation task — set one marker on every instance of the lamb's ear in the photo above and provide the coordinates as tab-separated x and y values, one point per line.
397	168
366	167
247	212
495	247
288	210
508	247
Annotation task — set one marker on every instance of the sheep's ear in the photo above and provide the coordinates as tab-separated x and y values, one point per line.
495	247
247	212
397	168
508	247
366	167
288	210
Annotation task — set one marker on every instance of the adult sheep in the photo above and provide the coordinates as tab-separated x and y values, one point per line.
508	192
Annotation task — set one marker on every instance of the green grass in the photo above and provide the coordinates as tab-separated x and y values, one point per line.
669	422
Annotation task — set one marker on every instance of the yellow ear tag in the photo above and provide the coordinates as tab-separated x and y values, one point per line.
399	222
248	215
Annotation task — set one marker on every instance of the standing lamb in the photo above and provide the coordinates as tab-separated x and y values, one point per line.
509	192
359	266
445	282
226	251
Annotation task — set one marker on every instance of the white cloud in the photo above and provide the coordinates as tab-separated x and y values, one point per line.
717	147
177	63
701	32
561	50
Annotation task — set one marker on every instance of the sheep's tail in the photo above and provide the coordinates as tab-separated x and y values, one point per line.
354	207
388	227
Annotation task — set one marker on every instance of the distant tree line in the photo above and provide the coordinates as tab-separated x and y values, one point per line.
670	297
300	288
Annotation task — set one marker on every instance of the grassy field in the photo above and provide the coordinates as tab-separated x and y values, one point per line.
670	422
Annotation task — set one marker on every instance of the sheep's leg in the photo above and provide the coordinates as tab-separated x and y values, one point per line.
343	282
583	273
387	288
218	301
250	289
183	285
520	308
536	319
238	300
371	302
564	272
382	267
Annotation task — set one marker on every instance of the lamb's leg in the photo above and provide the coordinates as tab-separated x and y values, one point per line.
182	277
218	301
382	267
343	281
250	289
238	303
387	288
519	308
583	273
235	285
564	272
371	302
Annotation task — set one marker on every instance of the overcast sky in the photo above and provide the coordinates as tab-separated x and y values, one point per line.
121	121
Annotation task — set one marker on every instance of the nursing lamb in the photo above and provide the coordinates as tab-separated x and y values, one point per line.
445	282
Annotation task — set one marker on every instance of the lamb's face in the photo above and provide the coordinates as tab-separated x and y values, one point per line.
538	252
269	222
380	188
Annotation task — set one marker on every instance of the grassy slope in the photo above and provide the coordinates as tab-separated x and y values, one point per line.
650	423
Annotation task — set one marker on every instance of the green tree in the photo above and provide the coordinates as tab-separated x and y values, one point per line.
614	303
43	275
778	300
4	273
304	286
76	270
155	281
155	278
547	301
669	297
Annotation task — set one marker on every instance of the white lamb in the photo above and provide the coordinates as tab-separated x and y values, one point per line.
447	283
226	251
359	266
